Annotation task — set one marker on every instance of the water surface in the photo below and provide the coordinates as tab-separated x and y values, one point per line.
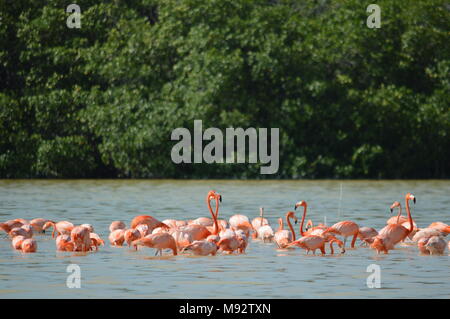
263	272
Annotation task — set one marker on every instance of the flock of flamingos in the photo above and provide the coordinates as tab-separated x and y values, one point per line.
207	236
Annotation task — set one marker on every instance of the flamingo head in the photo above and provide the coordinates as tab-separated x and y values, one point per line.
378	244
291	215
410	196
300	203
394	204
212	194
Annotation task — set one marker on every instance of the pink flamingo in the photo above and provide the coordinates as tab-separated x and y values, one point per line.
402	220
38	224
241	222
17	242
63	227
29	245
366	234
434	245
440	226
9	225
203	247
284	237
64	243
392	234
81	238
96	241
309	242
345	229
116	238
117	224
199	232
150	221
229	244
131	235
159	241
25	231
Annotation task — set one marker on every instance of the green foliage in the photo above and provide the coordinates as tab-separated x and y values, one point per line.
102	101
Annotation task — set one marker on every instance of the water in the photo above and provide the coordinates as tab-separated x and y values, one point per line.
263	272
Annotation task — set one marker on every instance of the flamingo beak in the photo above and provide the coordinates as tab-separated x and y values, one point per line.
391	210
414	200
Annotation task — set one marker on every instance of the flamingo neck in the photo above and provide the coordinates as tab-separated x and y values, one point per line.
290	226
303	221
399	213
214	215
280	224
411	226
262	216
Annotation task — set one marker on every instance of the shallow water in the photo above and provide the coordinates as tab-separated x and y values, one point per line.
263	272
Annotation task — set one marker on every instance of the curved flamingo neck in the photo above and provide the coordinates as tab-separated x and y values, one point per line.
399	213
280	224
303	221
290	226
214	215
262	216
411	226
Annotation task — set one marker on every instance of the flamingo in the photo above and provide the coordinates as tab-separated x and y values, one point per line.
81	238
64	243
243	240
309	242
345	229
117	224
229	244
241	222
96	240
198	232
203	221
203	247
399	219
10	224
116	238
434	245
426	233
159	241
265	233
17	242
392	234
284	237
335	240
38	224
366	234
63	227
258	222
263	229
29	245
89	227
402	220
150	221
440	226
25	231
143	230
131	235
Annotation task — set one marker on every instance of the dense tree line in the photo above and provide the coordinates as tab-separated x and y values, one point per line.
102	100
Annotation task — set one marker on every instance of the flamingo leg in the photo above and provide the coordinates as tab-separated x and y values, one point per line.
354	240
